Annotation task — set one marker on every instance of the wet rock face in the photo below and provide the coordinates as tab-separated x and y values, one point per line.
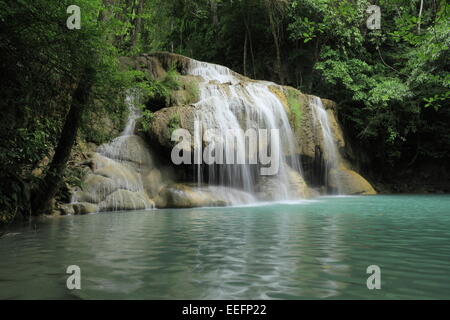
107	177
185	196
350	182
131	149
308	137
307	130
268	187
115	179
126	200
241	94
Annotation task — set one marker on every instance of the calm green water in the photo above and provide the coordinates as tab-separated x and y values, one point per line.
314	249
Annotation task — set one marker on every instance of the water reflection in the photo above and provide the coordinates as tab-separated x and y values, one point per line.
311	250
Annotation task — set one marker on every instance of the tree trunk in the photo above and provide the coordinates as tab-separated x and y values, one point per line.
49	186
249	34
245	55
215	18
276	41
137	24
420	16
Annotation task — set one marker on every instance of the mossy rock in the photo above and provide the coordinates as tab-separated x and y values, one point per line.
165	121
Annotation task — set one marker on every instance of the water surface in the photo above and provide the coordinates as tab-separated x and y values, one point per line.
312	249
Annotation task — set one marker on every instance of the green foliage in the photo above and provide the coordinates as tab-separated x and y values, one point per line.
174	123
147	118
193	91
171	81
14	196
156	92
387	82
41	61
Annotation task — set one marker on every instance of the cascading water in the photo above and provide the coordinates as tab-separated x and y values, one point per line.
331	155
231	103
118	168
122	175
131	101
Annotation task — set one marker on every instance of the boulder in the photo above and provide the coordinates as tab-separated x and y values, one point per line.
165	121
183	196
85	208
228	195
349	182
67	209
307	132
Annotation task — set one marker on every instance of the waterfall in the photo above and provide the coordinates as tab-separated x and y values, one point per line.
258	161
132	100
321	122
230	101
115	182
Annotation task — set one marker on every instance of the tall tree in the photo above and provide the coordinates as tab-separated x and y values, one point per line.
50	185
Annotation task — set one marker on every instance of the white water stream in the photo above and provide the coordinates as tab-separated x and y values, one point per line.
231	103
320	117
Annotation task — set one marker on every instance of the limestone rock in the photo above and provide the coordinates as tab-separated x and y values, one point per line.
153	182
96	188
128	148
116	168
350	182
85	208
299	188
126	200
121	177
269	187
169	119
145	63
184	196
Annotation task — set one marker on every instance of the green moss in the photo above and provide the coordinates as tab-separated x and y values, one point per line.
193	91
293	99
174	123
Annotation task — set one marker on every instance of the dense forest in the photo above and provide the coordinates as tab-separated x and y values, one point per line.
391	85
